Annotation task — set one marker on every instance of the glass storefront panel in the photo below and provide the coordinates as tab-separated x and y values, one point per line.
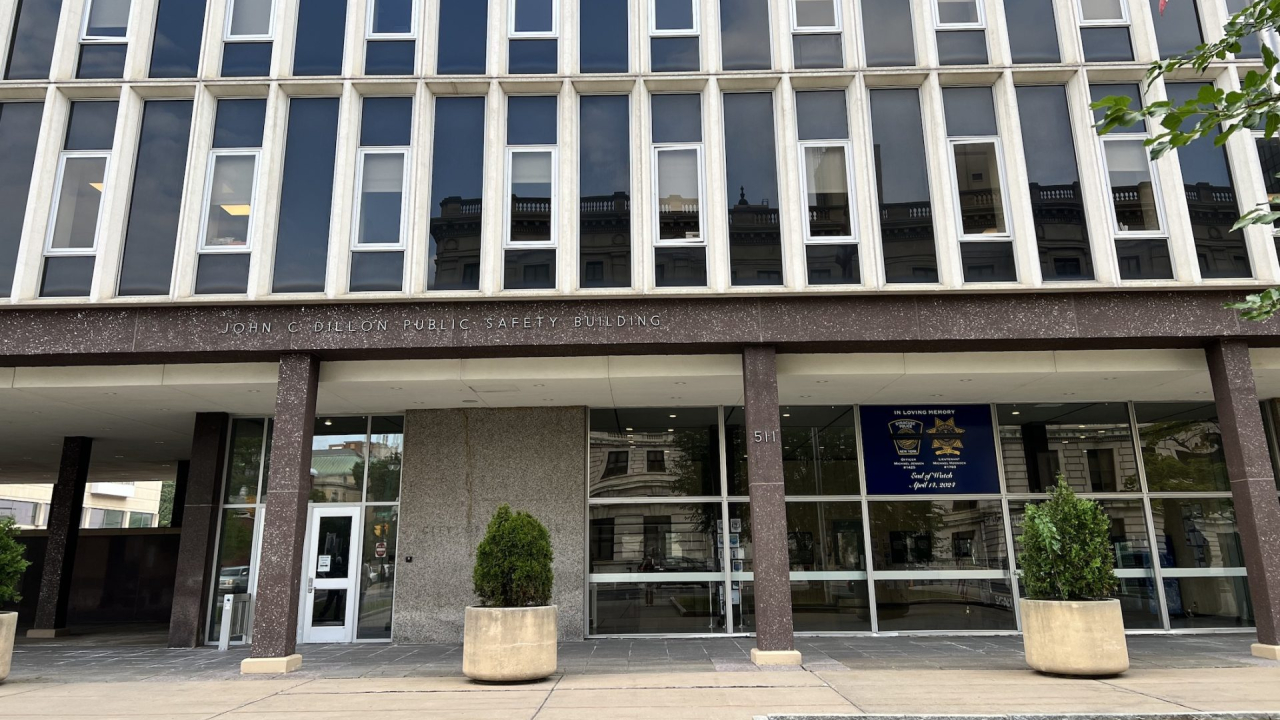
962	604
378	572
337	459
938	535
825	537
234	566
1182	447
830	605
741	552
1197	533
820	451
386	450
244	461
655	538
671	605
655	452
1208	602
1091	445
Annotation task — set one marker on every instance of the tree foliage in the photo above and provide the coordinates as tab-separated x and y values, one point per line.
513	562
1254	107
12	562
1066	548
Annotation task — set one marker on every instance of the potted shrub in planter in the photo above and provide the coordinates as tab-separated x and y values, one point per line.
512	636
1069	625
12	566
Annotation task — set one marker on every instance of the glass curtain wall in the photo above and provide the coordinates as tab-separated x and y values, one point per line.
670	545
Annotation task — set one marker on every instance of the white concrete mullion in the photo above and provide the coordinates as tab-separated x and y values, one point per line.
567	189
715	212
791	202
1186	268
1213	16
211	50
568	45
1143	32
494	193
850	35
637	34
428	36
418	247
499	46
941	184
709	42
35	226
191	217
926	36
66	45
1094	186
141	38
865	201
1020	222
285	38
998	52
270	178
8	19
780	36
642	188
354	50
117	196
1067	19
341	219
1242	159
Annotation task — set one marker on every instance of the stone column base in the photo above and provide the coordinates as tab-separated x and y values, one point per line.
47	633
1270	652
270	666
775	657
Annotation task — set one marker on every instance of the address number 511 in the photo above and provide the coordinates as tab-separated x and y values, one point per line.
766	436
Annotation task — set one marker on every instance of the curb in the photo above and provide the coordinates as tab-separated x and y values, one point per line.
1063	716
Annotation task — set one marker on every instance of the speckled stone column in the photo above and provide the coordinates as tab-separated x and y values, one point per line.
770	562
66	505
199	487
1253	484
179	509
275	609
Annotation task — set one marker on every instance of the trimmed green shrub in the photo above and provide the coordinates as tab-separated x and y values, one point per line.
12	564
513	562
1066	548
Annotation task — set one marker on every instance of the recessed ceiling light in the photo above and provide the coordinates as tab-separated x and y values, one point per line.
682	383
786	414
471	402
935	396
397	388
328	422
540	385
671	416
253	392
966	380
630	429
159	442
671	429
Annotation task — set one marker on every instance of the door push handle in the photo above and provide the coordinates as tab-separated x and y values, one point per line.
310	584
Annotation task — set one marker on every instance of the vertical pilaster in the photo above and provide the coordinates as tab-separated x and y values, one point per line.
275	609
775	637
65	508
1244	442
195	510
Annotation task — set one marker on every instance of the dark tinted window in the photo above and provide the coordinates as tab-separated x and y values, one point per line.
533	57
246	59
321	33
92	125
833	264
456	194
1177	27
1211	199
101	62
1106	44
887	34
680	266
179	32
751	171
988	262
603	47
31	46
744	34
69	276
969	111
1131	91
392	16
529	270
604	208
1144	259
239	123
463	28
822	115
817	51
677	118
531	119
389	57
19	133
962	47
386	121
902	184
1057	204
152	234
674	54
377	271
1250	47
222	273
1033	32
306	195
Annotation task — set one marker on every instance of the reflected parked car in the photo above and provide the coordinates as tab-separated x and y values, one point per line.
234	580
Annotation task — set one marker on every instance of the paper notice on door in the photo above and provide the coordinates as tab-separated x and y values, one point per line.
323	563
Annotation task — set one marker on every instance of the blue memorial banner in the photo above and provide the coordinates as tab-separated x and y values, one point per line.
926	450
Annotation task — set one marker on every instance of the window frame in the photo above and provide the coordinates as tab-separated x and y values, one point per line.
1123	21
87	39
1157	191
797	28
1258	135
980	24
357	205
694	31
655	152
369	33
847	145
207	207
552	34
271	26
63	157
554	242
958	218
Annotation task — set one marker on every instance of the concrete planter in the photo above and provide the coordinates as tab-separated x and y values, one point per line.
8	628
1075	638
509	644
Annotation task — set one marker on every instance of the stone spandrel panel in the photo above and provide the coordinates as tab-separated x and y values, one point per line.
460	465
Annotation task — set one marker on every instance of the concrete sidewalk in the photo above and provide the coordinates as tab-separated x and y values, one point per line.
674	696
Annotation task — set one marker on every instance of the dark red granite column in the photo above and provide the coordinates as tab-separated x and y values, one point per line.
775	638
275	609
65	508
1253	484
199	487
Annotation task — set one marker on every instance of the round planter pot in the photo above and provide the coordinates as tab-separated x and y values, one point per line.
8	628
1075	638
509	644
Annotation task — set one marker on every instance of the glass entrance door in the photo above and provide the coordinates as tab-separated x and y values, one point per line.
329	600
